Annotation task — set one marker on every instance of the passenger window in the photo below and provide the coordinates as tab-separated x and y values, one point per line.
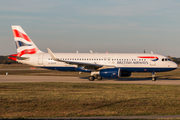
165	59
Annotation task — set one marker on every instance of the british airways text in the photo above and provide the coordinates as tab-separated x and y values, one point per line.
132	62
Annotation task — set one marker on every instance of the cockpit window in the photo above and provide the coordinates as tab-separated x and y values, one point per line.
166	59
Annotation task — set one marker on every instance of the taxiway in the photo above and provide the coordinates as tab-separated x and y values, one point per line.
17	78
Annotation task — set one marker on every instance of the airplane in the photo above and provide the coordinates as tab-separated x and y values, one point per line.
99	65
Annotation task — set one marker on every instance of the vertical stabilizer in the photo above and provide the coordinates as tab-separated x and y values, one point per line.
24	44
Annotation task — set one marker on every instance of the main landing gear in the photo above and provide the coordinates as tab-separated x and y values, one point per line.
99	77
153	76
91	78
94	74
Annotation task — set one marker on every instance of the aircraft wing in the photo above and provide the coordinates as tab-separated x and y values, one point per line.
80	64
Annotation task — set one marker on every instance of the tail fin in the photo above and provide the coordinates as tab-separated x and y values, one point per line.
24	44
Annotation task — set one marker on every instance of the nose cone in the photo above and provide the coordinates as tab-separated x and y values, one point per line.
174	65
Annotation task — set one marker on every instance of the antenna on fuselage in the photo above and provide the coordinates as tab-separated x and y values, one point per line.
77	52
91	51
151	52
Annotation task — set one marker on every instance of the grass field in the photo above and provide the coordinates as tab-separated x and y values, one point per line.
21	100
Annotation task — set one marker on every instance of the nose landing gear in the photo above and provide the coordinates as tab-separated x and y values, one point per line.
153	76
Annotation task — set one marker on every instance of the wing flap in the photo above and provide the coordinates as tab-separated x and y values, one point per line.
80	64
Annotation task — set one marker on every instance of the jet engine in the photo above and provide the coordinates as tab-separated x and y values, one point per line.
114	73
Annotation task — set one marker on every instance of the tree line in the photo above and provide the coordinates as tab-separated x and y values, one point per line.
176	60
6	60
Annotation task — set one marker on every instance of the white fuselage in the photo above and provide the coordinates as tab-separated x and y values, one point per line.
133	62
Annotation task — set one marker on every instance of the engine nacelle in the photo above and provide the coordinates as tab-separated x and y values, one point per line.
114	73
110	72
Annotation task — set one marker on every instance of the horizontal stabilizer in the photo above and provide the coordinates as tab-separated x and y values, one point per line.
17	57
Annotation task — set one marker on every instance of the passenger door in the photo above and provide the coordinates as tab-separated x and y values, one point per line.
40	59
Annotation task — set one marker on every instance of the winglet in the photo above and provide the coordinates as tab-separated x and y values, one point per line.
52	55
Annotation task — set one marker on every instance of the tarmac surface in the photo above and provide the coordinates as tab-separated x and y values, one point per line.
17	78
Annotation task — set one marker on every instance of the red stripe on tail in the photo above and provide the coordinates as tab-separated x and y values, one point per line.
28	51
21	35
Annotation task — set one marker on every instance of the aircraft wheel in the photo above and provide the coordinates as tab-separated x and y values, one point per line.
99	78
153	78
91	78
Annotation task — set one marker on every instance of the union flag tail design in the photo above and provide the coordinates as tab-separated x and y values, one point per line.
23	43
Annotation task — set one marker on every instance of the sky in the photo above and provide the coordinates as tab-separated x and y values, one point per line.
114	26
